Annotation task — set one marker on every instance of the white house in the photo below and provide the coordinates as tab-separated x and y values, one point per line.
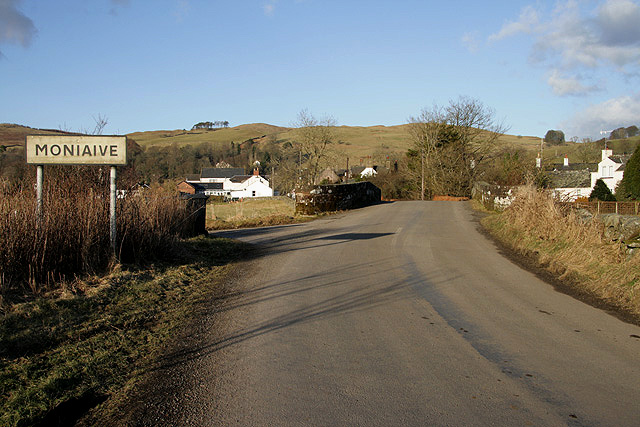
577	180
610	170
227	182
244	186
368	172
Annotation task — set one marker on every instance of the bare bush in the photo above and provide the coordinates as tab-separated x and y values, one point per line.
72	236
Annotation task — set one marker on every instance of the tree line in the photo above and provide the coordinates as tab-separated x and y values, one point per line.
211	125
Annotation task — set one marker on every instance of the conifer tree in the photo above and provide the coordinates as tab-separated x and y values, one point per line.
601	192
629	187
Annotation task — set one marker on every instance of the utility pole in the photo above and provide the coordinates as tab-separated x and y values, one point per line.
422	174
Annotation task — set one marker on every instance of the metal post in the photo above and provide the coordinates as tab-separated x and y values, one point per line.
39	180
112	211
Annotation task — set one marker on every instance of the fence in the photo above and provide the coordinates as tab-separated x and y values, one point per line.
598	207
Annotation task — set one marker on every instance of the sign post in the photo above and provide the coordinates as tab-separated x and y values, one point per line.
78	150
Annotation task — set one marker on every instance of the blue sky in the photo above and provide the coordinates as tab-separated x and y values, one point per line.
167	64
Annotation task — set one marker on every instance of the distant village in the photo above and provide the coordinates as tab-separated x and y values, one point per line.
571	181
233	184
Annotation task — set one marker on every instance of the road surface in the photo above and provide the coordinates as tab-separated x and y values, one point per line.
402	314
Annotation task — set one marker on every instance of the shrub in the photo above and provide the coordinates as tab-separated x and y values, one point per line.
72	236
629	187
601	192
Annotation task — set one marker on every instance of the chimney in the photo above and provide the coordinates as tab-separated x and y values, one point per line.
566	160
256	172
606	153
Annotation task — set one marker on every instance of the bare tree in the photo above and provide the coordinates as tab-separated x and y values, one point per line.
453	142
101	123
313	140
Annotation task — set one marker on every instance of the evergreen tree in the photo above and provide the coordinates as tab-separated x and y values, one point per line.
629	187
601	192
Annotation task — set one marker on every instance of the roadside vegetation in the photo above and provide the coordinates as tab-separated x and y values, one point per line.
71	237
576	251
61	356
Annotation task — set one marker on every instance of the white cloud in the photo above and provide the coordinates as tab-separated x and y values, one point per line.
183	8
526	23
611	114
611	37
619	22
471	41
14	26
572	38
568	85
269	9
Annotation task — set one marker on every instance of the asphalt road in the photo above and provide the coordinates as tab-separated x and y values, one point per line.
404	314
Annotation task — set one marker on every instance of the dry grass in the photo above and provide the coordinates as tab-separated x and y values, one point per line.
59	357
72	236
576	251
259	212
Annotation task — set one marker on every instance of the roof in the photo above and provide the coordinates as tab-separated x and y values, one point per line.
570	178
202	186
192	177
221	172
591	167
618	159
240	178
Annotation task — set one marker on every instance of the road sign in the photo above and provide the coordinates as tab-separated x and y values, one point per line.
76	150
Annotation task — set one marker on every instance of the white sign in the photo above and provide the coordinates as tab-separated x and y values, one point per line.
76	150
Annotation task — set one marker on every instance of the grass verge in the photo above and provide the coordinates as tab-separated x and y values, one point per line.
260	212
61	355
576	252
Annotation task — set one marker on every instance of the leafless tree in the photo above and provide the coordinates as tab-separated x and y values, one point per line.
314	139
453	142
101	123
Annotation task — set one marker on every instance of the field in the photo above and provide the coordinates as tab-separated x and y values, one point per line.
251	213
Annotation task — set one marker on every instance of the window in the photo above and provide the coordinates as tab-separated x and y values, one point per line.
253	193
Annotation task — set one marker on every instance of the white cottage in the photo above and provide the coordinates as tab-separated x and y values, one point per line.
243	186
228	182
610	170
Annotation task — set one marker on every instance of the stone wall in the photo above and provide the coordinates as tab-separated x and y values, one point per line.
493	197
338	197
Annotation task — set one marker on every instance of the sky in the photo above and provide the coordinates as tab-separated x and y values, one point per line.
168	64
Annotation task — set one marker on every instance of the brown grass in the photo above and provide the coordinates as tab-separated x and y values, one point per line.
575	251
72	236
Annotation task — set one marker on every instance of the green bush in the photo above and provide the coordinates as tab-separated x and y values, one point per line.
602	192
629	187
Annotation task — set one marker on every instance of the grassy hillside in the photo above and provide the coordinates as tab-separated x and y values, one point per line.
15	135
353	141
214	136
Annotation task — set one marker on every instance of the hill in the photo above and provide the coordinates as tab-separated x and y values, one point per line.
353	141
12	135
